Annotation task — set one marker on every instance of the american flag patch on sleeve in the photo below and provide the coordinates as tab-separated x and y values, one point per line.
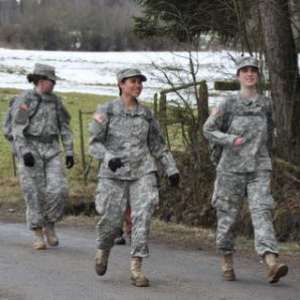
99	118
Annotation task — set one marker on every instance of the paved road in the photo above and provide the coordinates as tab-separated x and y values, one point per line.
67	272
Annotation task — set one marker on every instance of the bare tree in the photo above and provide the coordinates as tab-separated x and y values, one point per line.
283	68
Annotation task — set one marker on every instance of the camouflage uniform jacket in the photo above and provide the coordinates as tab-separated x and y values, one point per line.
131	135
252	120
50	121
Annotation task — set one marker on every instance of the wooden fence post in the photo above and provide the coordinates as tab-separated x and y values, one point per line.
82	145
14	164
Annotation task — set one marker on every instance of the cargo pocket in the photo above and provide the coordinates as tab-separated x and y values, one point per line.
154	190
102	198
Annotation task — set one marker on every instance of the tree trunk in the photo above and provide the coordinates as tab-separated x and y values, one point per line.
282	63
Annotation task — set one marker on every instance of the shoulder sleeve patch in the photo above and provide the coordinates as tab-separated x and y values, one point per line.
24	107
99	118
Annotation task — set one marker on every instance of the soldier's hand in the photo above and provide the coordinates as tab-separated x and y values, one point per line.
238	141
174	180
28	159
115	163
69	162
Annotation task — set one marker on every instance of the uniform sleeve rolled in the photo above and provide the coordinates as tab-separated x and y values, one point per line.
212	127
66	133
159	149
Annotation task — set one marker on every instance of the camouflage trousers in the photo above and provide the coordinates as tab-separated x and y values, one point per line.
45	189
111	200
229	192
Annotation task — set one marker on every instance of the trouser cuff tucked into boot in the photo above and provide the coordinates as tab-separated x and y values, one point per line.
38	242
276	270
227	268
101	261
137	277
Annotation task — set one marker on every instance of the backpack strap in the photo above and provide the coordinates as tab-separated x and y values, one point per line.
229	113
37	107
216	149
109	113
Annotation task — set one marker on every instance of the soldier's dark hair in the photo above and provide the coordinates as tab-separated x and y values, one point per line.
120	90
35	78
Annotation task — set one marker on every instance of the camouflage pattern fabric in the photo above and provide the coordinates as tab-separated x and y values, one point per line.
44	185
245	170
230	191
45	188
131	135
135	138
251	120
111	201
50	121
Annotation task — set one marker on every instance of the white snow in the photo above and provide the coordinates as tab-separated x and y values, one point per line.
95	72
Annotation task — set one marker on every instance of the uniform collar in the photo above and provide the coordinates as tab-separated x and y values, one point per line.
133	111
248	102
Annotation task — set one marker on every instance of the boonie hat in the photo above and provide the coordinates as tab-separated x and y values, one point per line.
45	70
247	61
126	73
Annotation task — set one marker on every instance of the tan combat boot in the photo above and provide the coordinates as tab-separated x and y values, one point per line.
275	270
38	242
227	268
101	261
137	277
50	234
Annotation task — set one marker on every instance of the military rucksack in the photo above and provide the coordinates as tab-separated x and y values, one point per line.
7	118
217	149
7	121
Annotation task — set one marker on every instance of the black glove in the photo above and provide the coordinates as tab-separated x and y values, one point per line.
174	180
28	159
115	163
69	162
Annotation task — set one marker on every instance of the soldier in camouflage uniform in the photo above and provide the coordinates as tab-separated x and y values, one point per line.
244	169
39	120
125	136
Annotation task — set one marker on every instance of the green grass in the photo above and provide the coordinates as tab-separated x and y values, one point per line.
87	103
74	102
10	188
